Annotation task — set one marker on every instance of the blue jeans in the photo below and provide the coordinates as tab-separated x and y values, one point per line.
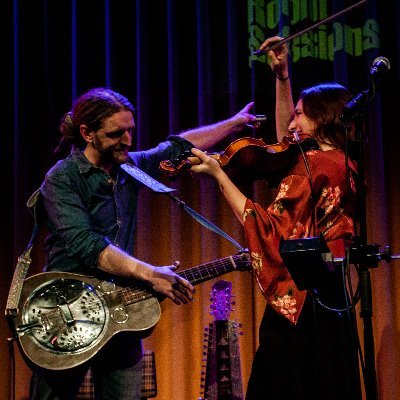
116	369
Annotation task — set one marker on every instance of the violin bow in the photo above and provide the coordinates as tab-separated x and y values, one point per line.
291	37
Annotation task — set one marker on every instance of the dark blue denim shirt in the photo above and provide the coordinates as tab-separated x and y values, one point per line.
86	210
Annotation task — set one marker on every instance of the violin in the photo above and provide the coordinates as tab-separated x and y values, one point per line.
249	159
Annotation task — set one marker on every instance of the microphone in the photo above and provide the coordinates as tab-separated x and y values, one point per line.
354	106
379	66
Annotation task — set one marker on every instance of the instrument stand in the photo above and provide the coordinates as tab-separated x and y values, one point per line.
368	256
361	249
310	262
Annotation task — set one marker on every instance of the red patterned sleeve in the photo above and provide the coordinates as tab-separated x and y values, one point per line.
290	215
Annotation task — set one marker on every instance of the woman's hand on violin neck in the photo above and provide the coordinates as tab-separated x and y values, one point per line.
208	165
211	166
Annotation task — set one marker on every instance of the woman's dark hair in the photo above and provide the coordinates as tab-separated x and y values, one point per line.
324	104
90	109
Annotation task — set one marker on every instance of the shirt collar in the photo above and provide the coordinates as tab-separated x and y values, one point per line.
83	163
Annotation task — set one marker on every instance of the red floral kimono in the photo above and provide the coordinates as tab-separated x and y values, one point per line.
299	212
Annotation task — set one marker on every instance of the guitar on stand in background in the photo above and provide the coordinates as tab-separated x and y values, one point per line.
223	376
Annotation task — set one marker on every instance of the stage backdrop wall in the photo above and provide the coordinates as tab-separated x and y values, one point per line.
184	64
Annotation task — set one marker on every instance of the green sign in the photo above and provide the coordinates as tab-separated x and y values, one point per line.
285	17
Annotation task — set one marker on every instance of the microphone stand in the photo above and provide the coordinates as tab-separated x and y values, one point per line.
361	248
365	255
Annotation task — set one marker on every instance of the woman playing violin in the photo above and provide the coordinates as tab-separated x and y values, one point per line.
306	347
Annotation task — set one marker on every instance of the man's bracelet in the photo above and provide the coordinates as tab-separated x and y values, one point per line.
282	79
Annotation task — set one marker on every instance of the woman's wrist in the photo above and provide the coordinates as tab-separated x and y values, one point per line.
281	78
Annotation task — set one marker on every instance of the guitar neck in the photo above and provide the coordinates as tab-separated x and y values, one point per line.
224	357
194	275
213	269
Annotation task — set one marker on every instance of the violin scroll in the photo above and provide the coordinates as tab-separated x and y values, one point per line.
178	165
182	163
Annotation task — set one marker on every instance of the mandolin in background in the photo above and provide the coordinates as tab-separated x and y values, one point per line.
222	378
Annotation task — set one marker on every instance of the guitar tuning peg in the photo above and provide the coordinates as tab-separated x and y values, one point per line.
233	303
206	328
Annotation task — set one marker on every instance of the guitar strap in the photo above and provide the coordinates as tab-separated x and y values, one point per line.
159	187
146	179
24	260
205	222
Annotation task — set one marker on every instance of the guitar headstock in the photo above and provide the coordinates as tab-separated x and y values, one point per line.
221	298
222	378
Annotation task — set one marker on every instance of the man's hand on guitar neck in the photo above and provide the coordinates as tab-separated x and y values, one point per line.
161	279
164	280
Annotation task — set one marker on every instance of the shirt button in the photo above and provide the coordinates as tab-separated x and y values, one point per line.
110	181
